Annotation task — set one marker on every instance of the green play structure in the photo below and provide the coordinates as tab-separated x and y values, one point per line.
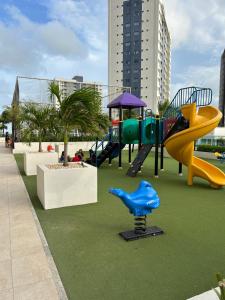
131	129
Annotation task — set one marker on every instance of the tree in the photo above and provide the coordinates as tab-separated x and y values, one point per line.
81	110
38	119
3	128
5	118
130	114
162	107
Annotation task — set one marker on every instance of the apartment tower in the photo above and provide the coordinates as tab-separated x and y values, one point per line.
222	89
139	49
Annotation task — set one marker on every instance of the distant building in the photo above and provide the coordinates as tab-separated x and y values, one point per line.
222	89
214	138
69	86
139	49
36	90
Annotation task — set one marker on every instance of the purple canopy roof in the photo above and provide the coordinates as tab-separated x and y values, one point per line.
126	100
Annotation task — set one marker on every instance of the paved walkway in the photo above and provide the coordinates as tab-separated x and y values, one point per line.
27	270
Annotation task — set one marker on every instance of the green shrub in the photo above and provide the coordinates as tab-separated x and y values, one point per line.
209	148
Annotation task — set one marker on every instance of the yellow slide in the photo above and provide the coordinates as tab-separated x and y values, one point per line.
181	145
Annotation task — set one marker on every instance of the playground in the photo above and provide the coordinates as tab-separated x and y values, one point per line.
185	207
95	263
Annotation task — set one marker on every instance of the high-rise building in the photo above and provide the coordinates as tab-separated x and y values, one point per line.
222	89
69	86
139	49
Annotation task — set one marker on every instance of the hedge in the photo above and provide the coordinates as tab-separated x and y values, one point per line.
209	148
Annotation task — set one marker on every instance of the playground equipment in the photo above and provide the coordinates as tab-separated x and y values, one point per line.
140	204
220	156
181	145
176	130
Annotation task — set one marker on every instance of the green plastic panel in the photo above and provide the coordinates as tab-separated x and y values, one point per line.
130	131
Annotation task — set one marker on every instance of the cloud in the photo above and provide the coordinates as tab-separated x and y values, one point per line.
57	40
86	19
197	29
73	41
200	76
24	43
197	25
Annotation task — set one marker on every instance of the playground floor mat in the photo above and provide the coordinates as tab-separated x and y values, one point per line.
94	262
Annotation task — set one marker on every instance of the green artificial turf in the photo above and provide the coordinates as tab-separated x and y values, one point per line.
95	263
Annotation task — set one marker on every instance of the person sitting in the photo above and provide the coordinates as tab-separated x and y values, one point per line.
6	139
77	157
9	142
61	159
81	153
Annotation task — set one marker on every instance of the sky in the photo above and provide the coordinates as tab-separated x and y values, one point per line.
63	38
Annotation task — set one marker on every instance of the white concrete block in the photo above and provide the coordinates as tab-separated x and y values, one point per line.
32	159
66	186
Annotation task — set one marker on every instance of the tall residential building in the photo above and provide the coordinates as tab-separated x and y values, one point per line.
222	89
139	49
69	86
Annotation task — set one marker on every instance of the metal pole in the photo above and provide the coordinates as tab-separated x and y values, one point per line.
110	133
180	169
162	158
140	128
129	158
120	139
157	147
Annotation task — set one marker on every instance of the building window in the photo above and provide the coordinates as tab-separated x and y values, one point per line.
127	44
127	25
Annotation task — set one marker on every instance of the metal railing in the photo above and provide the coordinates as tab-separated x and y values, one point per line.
200	96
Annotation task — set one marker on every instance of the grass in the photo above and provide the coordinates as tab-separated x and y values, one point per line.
95	263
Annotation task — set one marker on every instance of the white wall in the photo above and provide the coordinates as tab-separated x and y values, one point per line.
33	147
72	147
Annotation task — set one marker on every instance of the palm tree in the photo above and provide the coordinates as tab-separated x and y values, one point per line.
162	107
81	110
5	118
38	119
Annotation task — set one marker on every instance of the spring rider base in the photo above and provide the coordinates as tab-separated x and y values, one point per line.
132	235
140	203
140	230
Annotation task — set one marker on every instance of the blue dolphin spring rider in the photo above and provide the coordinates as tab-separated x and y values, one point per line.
140	204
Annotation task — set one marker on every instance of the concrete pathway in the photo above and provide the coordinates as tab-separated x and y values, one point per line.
27	270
